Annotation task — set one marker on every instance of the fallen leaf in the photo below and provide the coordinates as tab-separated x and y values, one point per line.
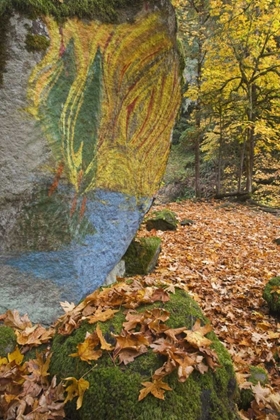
76	388
157	388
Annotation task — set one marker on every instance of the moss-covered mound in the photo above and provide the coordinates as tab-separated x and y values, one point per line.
271	294
256	374
162	220
114	387
142	255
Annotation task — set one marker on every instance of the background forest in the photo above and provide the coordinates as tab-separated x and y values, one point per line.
226	141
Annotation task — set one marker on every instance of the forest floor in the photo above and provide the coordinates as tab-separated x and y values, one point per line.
224	260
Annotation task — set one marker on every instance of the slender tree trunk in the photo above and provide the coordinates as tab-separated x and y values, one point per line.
251	138
241	166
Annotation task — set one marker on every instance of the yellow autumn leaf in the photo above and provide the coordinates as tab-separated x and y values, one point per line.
77	388
156	388
103	343
15	356
3	361
86	349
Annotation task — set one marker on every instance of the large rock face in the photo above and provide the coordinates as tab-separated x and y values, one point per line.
86	112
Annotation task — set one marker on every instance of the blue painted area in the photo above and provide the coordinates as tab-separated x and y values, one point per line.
83	266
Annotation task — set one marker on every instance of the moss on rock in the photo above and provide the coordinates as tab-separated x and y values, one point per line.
105	10
271	294
142	255
114	388
256	374
162	220
36	43
7	340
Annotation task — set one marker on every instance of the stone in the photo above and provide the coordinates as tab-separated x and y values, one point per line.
162	220
87	108
114	387
256	374
271	294
118	271
142	255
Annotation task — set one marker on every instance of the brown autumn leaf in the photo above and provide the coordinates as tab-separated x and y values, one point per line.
14	320
173	332
160	294
195	336
101	315
87	349
261	393
127	355
130	340
35	335
157	388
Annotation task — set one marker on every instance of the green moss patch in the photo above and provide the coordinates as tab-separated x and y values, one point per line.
142	255
7	340
114	387
271	294
36	43
105	10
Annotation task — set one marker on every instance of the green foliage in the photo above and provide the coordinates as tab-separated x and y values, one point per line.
232	74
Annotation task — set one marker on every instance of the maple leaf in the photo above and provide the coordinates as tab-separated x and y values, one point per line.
35	335
14	320
15	356
172	332
67	307
101	315
156	388
160	294
196	336
86	349
76	388
260	393
128	355
38	368
130	340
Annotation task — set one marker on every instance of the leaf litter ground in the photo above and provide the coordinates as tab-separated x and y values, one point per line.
224	259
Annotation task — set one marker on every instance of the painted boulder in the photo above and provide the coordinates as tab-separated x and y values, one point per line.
87	108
